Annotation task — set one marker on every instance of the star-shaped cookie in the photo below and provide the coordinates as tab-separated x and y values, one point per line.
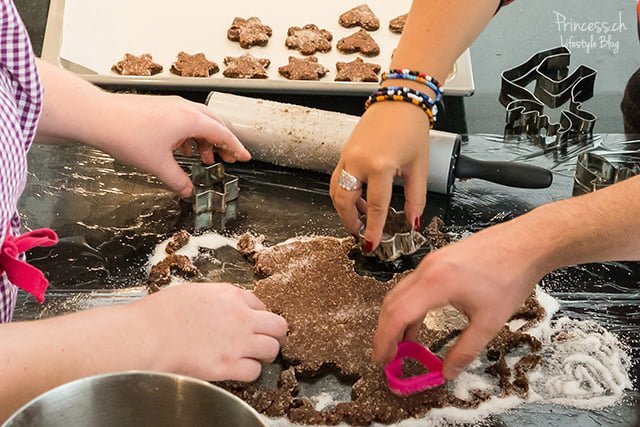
309	39
303	69
194	65
246	67
132	65
357	71
249	32
359	41
360	16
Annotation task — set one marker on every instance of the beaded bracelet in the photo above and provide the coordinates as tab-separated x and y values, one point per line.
400	90
416	76
405	94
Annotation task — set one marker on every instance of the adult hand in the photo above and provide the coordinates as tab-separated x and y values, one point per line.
211	331
146	130
391	139
486	277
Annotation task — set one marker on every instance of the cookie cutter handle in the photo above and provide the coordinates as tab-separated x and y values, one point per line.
511	174
411	385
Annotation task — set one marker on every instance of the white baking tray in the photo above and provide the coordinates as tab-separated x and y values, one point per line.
88	36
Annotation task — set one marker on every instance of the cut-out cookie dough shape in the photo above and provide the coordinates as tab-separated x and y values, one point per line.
194	65
249	32
246	67
133	65
303	69
309	39
360	16
396	25
357	71
360	41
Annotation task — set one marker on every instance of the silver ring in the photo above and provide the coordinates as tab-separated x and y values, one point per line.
349	182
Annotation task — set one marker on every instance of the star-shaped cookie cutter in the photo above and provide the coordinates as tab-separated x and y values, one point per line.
398	238
594	171
213	189
554	87
215	193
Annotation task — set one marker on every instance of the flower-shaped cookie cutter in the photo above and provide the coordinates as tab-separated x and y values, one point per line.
213	189
215	193
214	196
398	237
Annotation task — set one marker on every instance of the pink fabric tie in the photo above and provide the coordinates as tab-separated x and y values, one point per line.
25	276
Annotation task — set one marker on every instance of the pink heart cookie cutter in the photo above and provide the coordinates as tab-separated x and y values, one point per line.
400	385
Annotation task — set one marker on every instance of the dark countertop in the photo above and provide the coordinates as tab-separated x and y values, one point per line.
109	225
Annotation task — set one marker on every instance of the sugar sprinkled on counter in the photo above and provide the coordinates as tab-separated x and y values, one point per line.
583	366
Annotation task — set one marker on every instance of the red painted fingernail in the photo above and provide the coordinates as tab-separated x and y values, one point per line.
417	224
368	246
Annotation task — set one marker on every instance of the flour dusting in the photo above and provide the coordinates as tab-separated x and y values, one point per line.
584	366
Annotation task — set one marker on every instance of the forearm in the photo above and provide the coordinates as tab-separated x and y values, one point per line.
438	31
600	226
39	355
73	108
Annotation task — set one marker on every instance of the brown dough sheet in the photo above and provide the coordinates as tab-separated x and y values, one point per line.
332	314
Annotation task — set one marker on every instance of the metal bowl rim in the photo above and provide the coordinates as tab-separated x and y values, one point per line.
135	373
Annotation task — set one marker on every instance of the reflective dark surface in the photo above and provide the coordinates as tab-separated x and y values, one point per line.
110	217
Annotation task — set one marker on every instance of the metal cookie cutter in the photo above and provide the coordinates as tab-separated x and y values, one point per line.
398	238
214	195
213	188
594	172
554	86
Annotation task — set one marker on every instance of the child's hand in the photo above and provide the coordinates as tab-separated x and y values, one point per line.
211	331
144	131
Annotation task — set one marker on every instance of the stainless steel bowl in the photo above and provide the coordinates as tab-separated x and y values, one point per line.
136	399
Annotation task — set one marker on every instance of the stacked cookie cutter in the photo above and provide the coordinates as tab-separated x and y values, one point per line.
215	193
594	171
404	242
554	87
